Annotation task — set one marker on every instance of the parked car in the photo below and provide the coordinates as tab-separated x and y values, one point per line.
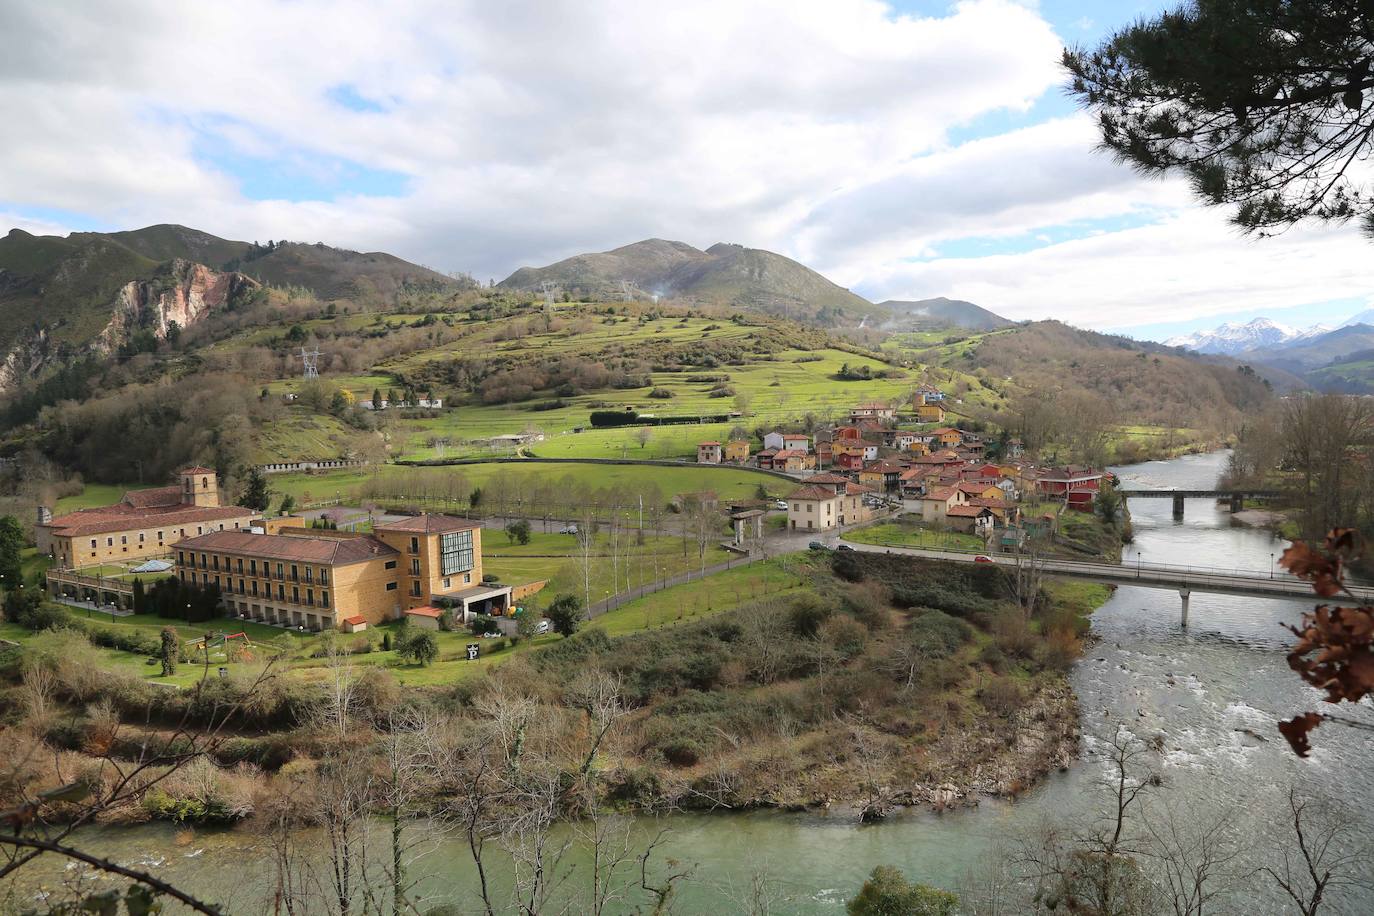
568	529
542	627
817	545
982	559
491	635
844	547
780	504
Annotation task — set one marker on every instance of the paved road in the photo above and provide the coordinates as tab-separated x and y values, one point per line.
1251	583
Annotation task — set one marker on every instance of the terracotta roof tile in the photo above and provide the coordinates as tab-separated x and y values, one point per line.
331	551
429	524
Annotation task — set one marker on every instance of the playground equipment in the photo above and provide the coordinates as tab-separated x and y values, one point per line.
220	641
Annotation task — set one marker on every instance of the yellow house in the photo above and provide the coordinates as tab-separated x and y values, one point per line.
318	579
144	523
931	413
949	437
737	451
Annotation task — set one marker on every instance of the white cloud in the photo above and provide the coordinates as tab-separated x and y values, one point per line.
1184	267
529	129
532	129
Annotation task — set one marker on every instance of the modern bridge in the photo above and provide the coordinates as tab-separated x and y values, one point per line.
1183	579
1236	497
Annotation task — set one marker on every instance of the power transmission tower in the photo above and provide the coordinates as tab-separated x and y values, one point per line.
311	360
627	290
548	286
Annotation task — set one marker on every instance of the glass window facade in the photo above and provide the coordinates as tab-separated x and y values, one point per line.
455	552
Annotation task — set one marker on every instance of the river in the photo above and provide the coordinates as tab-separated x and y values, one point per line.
1212	694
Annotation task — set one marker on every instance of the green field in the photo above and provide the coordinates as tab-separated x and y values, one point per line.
661	556
350	485
907	534
721	592
766	388
95	494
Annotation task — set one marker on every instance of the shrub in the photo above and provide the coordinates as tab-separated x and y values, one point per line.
1001	695
418	646
939	632
846	635
807	614
887	892
845	565
565	614
662	394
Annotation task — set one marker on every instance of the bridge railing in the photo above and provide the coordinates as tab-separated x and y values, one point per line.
1140	568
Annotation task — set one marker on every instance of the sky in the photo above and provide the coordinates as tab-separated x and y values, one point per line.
905	150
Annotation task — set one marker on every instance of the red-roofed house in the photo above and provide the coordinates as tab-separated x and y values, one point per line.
1075	485
935	504
969	519
872	410
144	523
709	453
820	507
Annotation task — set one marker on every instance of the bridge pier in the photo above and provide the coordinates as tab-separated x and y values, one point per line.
1178	507
1237	502
1184	594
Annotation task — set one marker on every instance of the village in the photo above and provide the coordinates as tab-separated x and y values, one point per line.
872	478
950	479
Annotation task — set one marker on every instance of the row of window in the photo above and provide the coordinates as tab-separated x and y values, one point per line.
161	535
236	565
250	587
283	616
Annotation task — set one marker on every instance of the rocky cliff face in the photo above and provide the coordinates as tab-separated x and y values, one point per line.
25	359
182	291
185	293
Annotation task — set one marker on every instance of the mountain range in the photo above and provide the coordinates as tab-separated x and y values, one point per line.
735	276
94	291
724	274
1336	359
1230	339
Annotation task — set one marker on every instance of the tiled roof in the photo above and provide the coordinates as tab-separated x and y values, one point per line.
965	511
196	470
811	492
701	444
429	524
123	517
856	489
827	478
426	611
153	497
991	503
355	620
331	551
942	493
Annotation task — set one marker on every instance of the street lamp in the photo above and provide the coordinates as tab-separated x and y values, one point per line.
1271	566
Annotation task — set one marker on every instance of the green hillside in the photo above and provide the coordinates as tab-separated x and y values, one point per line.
65	286
726	275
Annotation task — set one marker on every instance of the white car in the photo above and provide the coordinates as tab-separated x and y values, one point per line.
542	627
780	504
570	529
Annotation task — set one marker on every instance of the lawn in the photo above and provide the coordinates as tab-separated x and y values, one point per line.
95	494
907	534
554	557
350	485
769	389
721	592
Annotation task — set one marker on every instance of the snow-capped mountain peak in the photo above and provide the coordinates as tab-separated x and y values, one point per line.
1237	338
